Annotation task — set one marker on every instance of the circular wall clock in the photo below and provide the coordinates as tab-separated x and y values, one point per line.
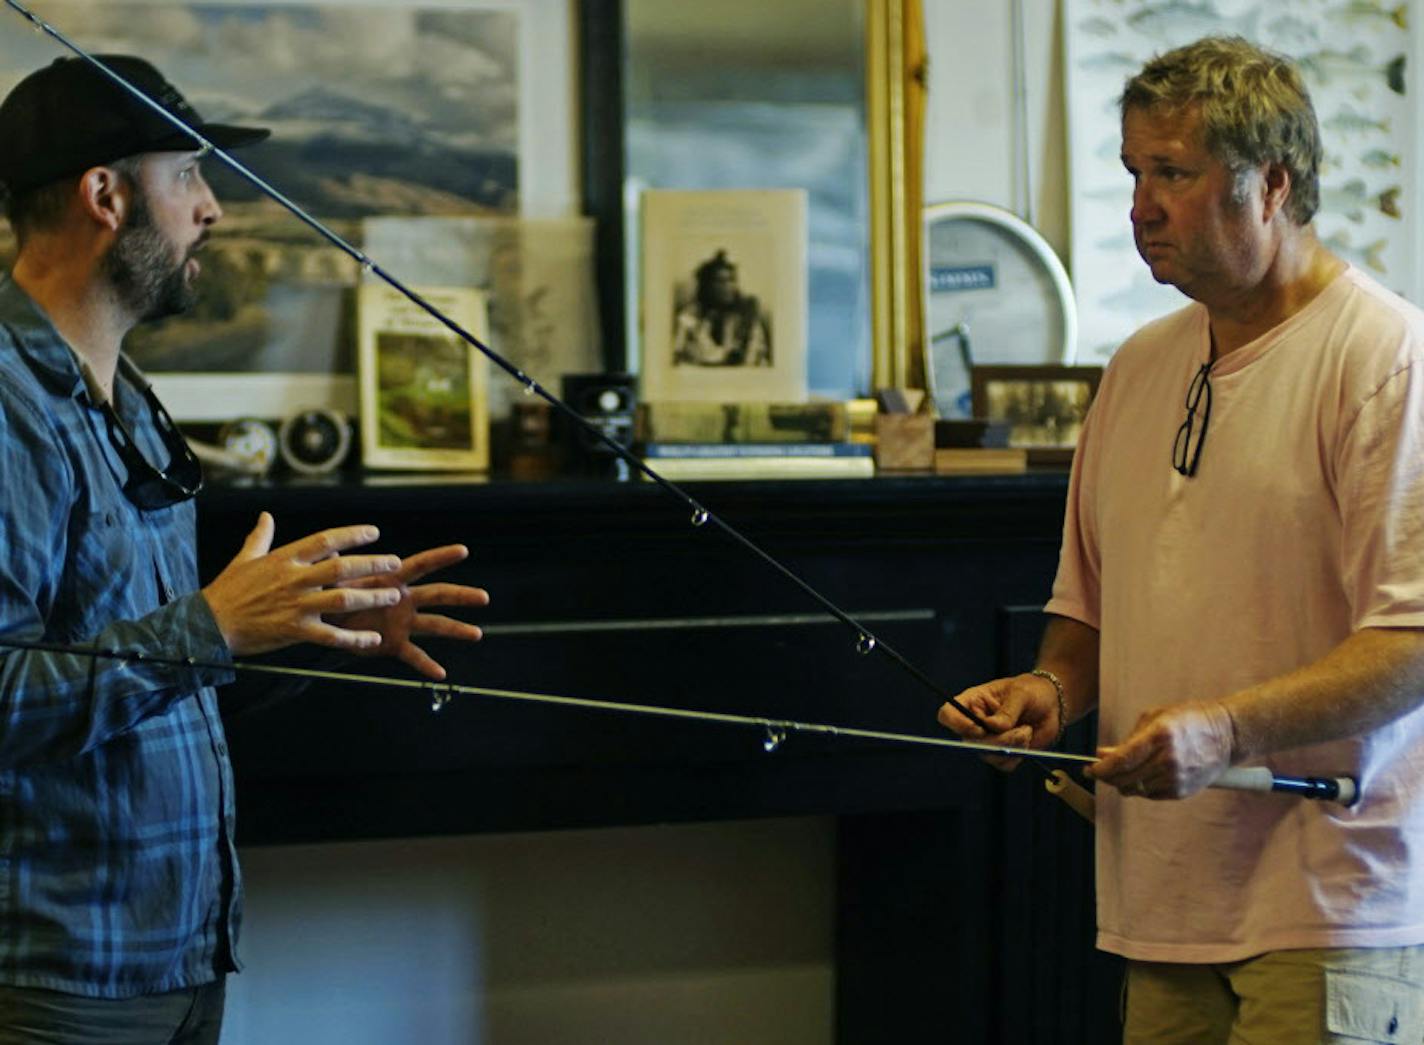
995	295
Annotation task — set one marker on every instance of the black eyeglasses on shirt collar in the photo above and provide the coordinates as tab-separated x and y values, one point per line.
1186	451
147	486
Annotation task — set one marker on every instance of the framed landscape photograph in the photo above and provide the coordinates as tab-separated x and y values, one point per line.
724	295
405	108
423	389
1044	405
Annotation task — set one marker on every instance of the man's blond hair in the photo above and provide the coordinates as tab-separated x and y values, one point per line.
1253	107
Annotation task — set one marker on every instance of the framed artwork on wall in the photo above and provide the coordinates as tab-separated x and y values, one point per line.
1357	61
378	108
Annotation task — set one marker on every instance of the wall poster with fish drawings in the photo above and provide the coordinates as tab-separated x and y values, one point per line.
1356	57
406	108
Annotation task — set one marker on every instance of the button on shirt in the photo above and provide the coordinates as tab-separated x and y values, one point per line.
118	874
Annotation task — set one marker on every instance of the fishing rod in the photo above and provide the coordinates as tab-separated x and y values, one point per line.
775	731
866	641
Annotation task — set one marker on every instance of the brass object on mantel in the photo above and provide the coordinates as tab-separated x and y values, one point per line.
896	80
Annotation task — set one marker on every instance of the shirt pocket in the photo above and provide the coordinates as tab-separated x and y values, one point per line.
109	574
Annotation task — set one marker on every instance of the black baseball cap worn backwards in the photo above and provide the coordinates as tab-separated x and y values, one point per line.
67	117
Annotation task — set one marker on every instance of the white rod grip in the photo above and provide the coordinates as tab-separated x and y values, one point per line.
1245	778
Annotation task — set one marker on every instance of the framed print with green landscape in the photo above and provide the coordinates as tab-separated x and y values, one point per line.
423	389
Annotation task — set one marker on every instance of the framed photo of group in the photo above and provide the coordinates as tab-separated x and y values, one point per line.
1044	406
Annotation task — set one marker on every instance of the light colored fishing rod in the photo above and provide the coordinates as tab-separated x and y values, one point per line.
774	731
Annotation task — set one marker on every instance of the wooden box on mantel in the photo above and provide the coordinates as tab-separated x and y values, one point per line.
904	442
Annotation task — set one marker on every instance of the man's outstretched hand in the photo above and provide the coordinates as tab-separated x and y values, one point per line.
267	599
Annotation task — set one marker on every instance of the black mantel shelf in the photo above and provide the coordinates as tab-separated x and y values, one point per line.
950	564
958	500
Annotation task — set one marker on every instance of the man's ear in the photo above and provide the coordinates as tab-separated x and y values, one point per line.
1277	185
104	196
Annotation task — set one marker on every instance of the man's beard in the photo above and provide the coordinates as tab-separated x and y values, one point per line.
141	268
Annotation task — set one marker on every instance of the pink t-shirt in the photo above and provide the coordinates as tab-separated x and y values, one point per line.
1303	523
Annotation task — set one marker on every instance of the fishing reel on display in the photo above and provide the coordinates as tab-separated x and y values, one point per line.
313	441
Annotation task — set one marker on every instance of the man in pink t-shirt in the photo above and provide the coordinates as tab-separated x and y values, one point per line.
1242	583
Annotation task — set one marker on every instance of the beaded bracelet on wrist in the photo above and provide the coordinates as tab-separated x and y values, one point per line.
1062	702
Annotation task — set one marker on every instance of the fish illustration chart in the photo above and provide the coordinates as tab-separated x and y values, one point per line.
1357	58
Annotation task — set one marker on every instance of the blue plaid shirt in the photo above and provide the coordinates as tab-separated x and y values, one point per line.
117	869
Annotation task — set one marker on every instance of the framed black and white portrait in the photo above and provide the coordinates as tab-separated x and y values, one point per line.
724	295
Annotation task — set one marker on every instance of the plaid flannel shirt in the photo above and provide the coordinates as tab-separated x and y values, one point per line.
118	874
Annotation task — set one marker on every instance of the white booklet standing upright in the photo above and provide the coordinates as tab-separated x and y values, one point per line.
423	389
724	295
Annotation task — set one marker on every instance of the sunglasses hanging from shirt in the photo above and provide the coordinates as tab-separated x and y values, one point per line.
147	486
865	641
1187	448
